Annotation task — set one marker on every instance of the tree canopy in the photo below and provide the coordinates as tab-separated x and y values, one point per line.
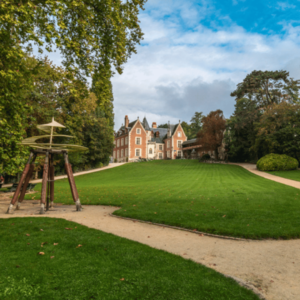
210	137
264	100
95	38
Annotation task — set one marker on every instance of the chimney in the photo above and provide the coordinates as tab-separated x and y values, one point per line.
154	125
126	121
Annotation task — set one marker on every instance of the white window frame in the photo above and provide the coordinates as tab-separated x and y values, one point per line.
118	154
126	152
168	154
179	153
118	143
179	146
179	134
114	154
161	146
137	139
126	140
122	142
160	155
139	150
122	153
138	131
150	149
168	144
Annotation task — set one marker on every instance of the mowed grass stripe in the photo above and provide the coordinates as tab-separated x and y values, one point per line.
214	198
104	267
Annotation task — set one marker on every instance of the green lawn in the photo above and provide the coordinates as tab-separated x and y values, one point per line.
104	267
219	199
293	174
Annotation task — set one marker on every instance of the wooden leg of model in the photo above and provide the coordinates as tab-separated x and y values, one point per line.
26	182
48	185
18	190
44	184
72	183
51	181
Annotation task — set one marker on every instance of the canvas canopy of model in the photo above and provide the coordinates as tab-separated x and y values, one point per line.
49	150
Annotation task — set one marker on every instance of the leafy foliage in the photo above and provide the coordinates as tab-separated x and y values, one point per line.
212	133
92	36
277	162
259	97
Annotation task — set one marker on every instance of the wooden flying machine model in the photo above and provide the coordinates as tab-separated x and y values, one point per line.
49	150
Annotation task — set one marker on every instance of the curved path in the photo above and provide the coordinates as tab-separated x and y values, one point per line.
252	168
270	266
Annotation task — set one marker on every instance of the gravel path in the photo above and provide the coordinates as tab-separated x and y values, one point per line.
270	267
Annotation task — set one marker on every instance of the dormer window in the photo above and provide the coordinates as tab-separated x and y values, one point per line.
179	134
138	130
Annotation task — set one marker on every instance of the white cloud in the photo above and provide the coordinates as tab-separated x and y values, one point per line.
179	72
284	5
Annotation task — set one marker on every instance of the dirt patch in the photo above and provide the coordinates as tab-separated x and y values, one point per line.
271	267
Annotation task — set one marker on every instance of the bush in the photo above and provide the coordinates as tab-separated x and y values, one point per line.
205	156
277	162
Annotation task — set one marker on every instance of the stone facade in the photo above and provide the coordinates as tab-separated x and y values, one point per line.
138	140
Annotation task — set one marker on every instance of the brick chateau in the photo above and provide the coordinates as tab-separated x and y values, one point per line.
137	139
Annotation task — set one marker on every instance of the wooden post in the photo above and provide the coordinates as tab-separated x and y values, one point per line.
44	183
69	172
52	180
26	182
17	192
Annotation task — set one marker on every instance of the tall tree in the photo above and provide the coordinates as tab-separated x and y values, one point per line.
241	134
92	36
196	124
210	137
267	87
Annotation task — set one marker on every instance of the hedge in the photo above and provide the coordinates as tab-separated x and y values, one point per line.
277	162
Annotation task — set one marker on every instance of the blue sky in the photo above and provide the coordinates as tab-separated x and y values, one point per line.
194	53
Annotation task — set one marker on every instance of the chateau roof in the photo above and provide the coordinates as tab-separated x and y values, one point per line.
146	124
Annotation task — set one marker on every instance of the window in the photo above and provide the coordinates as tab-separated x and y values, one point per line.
168	144
118	143
137	152
122	142
160	155
118	155
179	144
114	142
126	152
114	155
168	154
150	151
126	141
138	131
179	153
122	153
179	134
160	147
138	141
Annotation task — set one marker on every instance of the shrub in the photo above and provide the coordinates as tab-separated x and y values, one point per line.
277	162
205	156
115	160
